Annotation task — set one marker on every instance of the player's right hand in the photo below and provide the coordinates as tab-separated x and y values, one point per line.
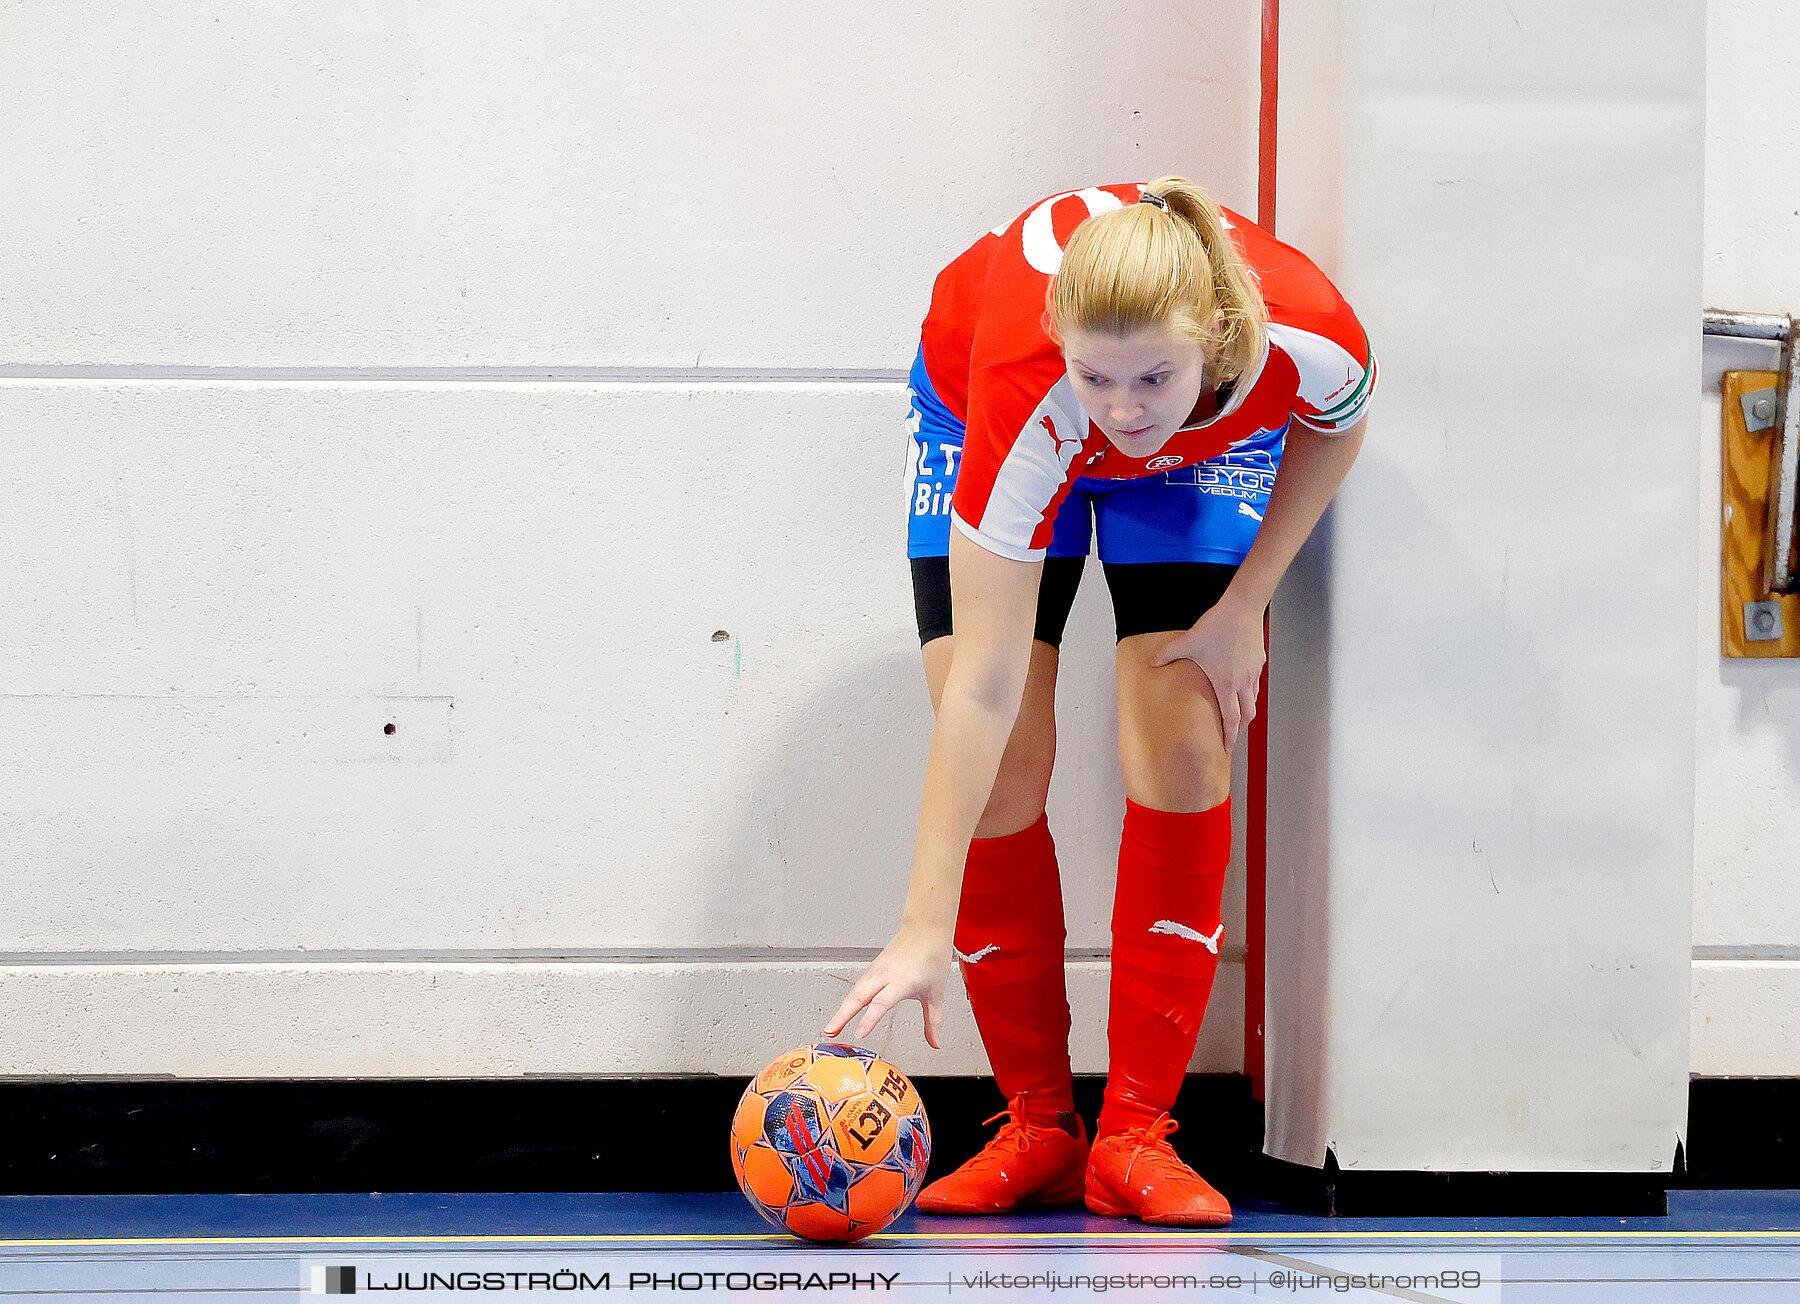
913	967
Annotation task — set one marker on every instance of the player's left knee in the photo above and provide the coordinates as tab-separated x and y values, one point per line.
1178	769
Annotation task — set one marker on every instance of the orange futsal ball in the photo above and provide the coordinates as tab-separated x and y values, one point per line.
830	1142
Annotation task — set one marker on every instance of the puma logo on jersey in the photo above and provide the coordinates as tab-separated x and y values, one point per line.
1065	448
1182	930
1245	509
971	959
1352	378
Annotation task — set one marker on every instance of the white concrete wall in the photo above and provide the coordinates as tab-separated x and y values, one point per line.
470	369
246	525
1747	798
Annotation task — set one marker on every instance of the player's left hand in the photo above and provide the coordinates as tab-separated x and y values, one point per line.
1227	644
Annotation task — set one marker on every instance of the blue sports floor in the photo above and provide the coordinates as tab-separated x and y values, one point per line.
1714	1245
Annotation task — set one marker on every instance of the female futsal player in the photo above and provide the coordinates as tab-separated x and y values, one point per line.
1137	361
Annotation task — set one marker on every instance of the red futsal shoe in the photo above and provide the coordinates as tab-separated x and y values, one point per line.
1025	1166
1136	1174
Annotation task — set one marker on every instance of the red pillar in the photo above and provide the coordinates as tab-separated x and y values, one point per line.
1256	813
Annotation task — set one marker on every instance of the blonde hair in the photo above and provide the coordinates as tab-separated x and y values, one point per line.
1142	266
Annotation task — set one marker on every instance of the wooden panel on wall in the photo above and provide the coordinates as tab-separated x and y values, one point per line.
1744	514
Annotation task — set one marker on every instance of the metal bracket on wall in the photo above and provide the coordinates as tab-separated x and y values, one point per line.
1781	530
1762	408
1754	621
1758	447
1762	622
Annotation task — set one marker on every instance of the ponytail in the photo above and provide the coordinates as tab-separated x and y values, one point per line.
1166	260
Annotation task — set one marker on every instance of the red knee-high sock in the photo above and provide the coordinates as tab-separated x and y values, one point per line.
1166	934
1009	940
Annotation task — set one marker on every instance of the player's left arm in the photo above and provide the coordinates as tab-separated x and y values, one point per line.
1227	642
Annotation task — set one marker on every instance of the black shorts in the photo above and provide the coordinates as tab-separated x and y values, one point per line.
1147	597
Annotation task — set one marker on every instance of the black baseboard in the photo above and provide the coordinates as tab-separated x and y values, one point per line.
1743	1132
1337	1193
598	1134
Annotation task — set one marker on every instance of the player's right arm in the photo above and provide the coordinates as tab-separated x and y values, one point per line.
995	600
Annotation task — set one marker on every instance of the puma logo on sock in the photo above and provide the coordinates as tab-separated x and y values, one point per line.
1182	930
971	959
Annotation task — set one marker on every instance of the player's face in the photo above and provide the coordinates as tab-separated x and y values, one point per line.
1138	388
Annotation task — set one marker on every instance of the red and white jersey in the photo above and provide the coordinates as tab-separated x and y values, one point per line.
995	367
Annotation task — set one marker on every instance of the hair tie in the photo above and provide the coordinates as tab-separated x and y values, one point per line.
1158	200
